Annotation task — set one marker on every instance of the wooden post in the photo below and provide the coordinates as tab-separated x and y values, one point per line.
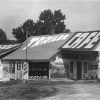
49	74
49	71
1	70
99	65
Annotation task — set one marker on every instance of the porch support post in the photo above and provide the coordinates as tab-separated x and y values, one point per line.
99	65
49	70
1	70
49	74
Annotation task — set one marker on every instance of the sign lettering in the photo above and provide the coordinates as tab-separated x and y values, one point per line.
50	40
64	37
67	45
31	42
88	39
55	38
38	42
46	39
95	39
79	40
7	46
61	37
83	40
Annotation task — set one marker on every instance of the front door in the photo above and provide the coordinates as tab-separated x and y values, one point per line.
79	70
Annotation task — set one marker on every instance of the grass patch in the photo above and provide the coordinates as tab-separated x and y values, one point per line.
30	90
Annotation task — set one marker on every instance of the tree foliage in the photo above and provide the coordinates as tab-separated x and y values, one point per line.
26	28
52	22
48	23
3	37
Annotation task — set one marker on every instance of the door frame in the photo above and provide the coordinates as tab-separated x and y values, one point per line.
81	69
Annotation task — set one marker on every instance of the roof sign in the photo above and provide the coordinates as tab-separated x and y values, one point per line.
36	41
8	46
87	40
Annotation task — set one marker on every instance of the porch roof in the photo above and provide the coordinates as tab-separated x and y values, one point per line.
39	47
83	41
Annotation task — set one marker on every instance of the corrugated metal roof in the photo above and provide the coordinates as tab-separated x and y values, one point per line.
39	47
82	41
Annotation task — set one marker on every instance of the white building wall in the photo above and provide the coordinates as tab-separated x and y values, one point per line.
21	69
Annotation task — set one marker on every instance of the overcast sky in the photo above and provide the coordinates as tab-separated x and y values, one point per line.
80	15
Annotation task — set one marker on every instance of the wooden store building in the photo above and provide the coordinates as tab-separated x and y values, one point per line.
81	55
32	59
79	51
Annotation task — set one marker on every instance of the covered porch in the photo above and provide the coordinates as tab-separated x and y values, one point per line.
81	64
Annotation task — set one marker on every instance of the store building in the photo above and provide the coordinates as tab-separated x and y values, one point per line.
33	58
81	55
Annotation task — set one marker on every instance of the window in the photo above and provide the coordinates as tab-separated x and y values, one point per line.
13	67
71	66
93	67
19	66
85	67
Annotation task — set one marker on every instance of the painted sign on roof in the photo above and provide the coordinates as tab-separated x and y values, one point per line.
39	47
8	46
40	40
83	41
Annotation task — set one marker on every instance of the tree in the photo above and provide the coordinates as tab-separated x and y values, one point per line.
67	30
3	37
52	22
48	23
38	27
43	25
58	21
27	28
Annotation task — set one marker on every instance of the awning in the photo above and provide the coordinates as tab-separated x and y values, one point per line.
39	47
83	41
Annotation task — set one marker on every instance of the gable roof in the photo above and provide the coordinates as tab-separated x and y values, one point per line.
83	41
39	47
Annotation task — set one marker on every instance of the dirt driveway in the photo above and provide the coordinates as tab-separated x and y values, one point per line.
77	90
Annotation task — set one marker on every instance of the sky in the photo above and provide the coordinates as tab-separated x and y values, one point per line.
81	15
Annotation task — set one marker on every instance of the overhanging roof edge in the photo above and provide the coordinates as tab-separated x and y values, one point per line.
14	48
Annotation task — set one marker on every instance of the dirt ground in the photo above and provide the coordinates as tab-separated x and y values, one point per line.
77	90
55	89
